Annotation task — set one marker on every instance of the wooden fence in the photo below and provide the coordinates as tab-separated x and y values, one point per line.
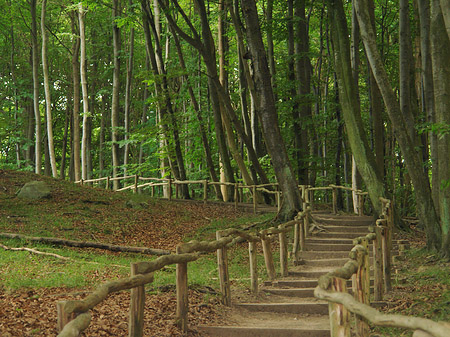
74	317
333	287
307	192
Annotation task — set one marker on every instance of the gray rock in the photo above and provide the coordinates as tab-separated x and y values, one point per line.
136	205
34	190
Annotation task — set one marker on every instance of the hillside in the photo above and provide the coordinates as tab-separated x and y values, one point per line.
93	214
30	285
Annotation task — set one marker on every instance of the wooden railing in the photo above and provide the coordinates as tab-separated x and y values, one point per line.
333	286
74	316
307	191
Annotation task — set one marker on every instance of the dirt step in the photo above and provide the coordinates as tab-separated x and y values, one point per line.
296	283
343	240
360	230
347	221
326	262
232	331
346	235
309	308
263	324
335	247
301	292
318	255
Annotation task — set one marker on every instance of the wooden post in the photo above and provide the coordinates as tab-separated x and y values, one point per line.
224	277
182	295
107	182
254	199
334	195
177	188
360	204
296	247
63	317
303	190
361	287
386	260
302	234
136	179
236	195
268	257
339	315
377	266
153	190
205	190
170	188
253	267
278	201
283	253
81	182
310	199
137	302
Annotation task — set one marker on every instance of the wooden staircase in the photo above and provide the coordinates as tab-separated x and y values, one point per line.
289	307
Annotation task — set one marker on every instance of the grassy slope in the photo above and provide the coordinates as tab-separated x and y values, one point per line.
92	214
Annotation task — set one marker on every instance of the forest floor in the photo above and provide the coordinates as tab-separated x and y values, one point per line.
29	289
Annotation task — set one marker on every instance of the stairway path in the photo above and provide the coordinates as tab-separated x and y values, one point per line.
288	307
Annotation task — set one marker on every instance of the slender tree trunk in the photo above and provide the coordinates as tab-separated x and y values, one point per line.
62	169
268	115
303	79
84	90
428	93
37	113
115	96
445	10
440	53
270	48
364	158
355	60
76	150
128	96
48	104
425	207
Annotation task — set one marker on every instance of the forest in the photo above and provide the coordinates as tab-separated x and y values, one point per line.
353	93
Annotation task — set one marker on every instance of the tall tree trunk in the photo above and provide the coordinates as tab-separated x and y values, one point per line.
355	60
364	158
404	67
84	90
303	79
440	53
76	150
268	114
48	104
37	113
168	114
130	64
115	96
62	169
424	202
445	10
428	93
196	107
223	78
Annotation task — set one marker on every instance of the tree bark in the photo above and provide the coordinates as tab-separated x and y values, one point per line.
115	96
84	90
37	114
48	104
440	53
268	115
428	92
359	145
127	109
425	207
76	150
